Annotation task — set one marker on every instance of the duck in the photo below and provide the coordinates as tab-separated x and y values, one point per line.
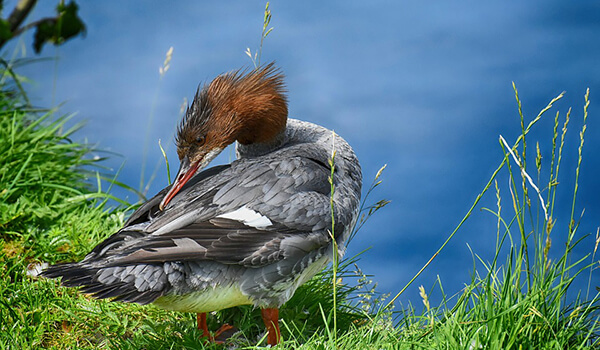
245	233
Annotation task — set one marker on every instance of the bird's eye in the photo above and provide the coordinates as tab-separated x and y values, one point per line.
200	140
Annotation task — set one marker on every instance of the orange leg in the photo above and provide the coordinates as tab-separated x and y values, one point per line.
271	319
201	318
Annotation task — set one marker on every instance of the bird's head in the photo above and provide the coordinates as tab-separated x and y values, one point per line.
247	107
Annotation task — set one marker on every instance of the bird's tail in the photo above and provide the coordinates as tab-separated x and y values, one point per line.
91	281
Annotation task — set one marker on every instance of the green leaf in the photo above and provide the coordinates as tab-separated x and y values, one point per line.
60	29
44	32
69	23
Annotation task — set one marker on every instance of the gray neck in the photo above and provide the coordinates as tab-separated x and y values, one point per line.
259	149
297	132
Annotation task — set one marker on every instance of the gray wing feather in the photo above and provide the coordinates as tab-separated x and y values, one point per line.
295	202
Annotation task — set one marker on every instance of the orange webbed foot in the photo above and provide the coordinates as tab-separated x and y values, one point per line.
220	336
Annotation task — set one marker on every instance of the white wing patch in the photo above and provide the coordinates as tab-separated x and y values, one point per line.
248	217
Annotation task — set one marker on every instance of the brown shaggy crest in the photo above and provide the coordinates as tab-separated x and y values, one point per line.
255	101
247	106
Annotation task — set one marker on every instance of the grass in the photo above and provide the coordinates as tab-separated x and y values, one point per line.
521	302
54	209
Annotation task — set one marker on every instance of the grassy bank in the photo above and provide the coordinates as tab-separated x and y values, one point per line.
52	210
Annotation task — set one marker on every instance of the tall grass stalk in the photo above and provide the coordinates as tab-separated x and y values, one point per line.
479	196
265	32
365	212
162	70
572	224
334	245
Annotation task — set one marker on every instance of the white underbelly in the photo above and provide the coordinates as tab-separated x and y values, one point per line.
210	299
225	296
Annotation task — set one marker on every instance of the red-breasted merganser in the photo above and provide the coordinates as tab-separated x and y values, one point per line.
249	232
